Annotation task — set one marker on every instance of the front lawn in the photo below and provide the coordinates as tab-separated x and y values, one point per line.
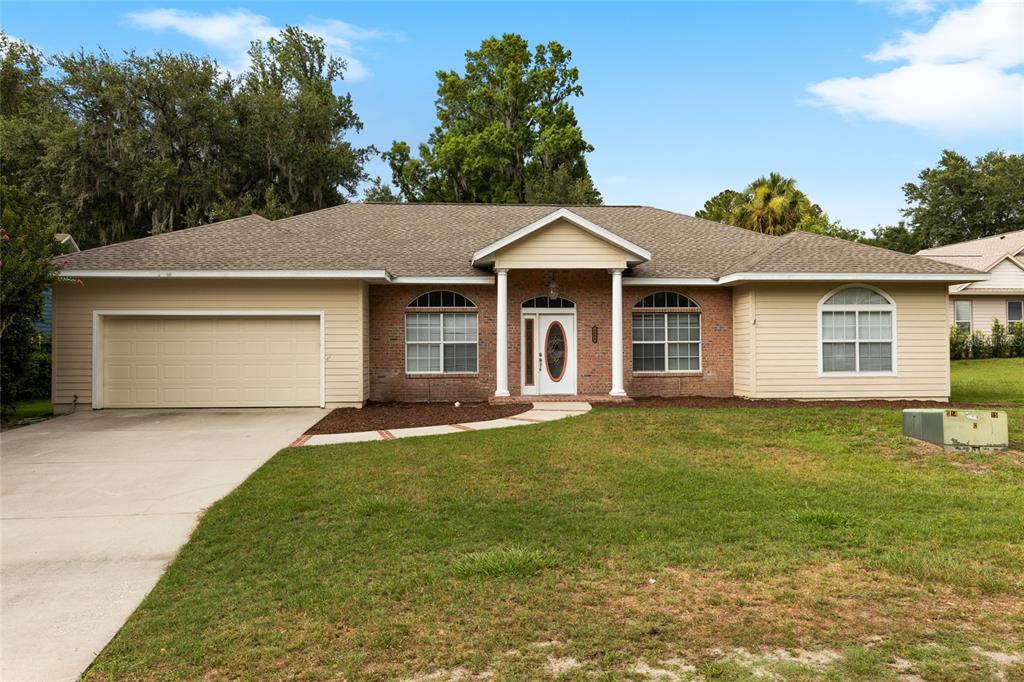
810	542
998	380
27	410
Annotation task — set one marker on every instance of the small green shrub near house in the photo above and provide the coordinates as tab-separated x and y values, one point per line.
1000	342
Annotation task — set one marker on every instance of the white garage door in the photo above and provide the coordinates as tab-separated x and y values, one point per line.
211	361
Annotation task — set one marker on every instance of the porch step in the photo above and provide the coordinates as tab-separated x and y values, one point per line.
555	399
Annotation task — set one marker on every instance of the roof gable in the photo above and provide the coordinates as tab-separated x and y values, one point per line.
635	254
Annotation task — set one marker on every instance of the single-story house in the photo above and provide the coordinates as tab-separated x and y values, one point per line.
973	305
444	302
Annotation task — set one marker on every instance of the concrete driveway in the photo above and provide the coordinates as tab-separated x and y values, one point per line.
95	505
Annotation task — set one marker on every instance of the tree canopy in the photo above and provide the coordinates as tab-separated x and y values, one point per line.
112	149
506	131
959	200
771	204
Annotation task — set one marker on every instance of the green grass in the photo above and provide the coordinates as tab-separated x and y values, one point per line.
994	381
29	409
683	539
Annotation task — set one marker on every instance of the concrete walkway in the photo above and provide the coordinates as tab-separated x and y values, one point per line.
541	412
96	504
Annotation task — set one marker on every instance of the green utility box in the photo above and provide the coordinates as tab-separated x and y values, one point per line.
958	429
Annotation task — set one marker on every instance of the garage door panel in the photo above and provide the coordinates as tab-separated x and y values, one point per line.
211	361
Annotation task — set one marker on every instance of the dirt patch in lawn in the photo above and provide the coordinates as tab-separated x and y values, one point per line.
377	416
702	402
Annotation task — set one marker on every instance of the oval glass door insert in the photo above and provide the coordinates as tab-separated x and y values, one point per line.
554	349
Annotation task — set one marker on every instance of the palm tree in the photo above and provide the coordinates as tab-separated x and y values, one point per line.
773	205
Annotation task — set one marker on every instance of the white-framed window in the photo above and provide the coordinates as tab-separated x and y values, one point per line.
666	334
1014	312
857	328
441	341
962	315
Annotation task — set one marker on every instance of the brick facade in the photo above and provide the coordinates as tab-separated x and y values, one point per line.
591	291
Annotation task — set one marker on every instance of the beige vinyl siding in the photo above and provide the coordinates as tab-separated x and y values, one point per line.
743	341
561	245
1006	275
341	301
984	308
785	337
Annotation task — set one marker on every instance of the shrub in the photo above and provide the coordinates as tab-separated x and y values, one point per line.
980	347
1017	339
999	341
959	343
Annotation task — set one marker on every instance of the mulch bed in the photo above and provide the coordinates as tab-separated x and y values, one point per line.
780	403
377	416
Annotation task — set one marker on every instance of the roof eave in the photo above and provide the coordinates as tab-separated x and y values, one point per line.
372	276
948	278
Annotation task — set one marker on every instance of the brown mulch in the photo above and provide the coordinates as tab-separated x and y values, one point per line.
377	416
780	403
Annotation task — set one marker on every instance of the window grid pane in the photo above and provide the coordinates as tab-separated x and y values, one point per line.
839	326
874	326
839	357
648	357
875	357
683	356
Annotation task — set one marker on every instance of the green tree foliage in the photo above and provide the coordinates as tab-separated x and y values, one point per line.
380	193
722	206
821	223
770	204
121	148
27	248
959	200
506	132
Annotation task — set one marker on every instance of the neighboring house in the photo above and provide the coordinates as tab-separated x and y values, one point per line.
468	302
973	305
43	324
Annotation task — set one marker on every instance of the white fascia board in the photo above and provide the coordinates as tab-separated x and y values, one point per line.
849	277
642	254
469	279
378	275
668	282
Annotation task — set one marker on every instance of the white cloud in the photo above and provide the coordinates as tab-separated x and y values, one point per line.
230	33
960	76
901	7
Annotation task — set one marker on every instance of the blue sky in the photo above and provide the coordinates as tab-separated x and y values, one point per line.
681	100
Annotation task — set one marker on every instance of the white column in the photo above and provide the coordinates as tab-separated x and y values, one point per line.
501	366
617	384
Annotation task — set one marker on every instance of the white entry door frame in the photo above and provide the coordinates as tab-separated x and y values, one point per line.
548	352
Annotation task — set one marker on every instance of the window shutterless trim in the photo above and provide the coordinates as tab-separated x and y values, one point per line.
1021	304
970	314
442	343
856	307
638	312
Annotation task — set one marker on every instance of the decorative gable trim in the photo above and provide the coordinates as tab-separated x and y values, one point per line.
485	256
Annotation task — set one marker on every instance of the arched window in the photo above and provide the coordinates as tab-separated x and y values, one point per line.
545	302
441	299
665	299
857	335
666	334
440	341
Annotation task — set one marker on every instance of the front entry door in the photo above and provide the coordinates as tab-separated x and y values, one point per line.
553	365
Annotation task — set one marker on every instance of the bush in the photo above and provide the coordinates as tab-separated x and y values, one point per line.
1017	339
980	347
959	343
999	341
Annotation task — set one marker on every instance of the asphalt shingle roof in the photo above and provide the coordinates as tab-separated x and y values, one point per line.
439	240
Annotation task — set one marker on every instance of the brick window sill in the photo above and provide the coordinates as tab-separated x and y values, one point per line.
661	375
443	375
